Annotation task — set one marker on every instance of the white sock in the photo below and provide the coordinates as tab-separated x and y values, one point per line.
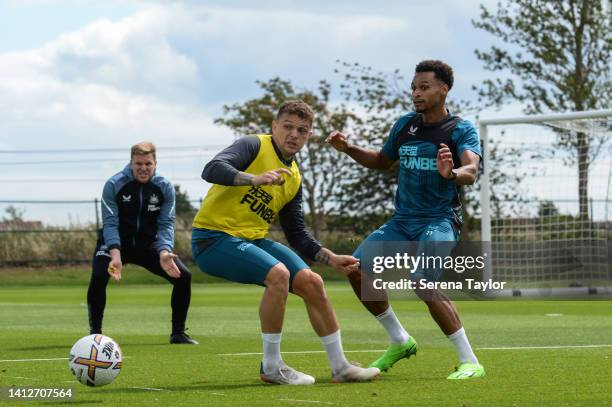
271	351
335	354
462	346
394	329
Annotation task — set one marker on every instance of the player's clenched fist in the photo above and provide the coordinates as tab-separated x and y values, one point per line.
344	263
272	177
337	140
444	161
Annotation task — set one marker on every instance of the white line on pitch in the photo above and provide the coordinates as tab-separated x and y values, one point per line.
40	360
306	401
546	347
147	388
301	351
31	360
382	350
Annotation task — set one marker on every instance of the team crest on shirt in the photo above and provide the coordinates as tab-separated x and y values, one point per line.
153	201
126	198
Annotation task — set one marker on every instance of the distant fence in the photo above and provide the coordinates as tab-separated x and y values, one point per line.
31	243
63	246
73	214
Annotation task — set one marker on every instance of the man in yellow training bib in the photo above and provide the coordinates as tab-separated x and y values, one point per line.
256	180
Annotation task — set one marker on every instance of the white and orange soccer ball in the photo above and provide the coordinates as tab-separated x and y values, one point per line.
95	360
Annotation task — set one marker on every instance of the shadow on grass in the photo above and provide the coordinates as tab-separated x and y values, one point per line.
212	387
65	346
198	386
139	344
73	403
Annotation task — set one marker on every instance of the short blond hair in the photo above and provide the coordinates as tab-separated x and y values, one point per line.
143	148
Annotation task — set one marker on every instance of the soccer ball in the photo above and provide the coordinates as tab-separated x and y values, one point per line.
95	360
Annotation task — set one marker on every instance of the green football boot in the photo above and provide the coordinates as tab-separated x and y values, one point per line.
467	371
394	353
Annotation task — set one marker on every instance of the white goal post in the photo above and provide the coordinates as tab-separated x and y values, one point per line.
545	192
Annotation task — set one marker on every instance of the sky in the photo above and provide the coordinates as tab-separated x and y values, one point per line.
88	79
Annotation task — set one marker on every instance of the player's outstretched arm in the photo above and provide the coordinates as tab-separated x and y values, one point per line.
366	157
342	263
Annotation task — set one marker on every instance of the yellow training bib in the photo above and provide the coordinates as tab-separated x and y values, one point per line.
248	211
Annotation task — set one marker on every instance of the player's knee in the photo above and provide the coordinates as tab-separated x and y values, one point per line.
100	269
431	296
97	286
316	284
99	276
309	285
185	276
278	278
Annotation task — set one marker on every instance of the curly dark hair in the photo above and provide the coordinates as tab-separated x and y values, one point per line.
298	108
441	70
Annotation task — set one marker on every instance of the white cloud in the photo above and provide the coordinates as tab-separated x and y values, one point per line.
164	72
133	53
129	77
111	79
282	25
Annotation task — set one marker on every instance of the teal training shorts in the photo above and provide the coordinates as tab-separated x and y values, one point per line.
424	231
241	260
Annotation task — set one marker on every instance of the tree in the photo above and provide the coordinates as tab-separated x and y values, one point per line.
185	212
15	214
558	57
321	167
384	97
547	208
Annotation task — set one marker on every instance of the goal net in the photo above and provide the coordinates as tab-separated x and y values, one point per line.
545	200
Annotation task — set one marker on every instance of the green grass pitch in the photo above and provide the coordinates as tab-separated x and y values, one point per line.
43	321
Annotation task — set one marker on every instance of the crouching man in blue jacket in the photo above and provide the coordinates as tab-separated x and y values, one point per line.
138	212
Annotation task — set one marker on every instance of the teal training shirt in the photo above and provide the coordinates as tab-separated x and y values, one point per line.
421	191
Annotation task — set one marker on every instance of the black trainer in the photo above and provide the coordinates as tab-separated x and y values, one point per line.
182	338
